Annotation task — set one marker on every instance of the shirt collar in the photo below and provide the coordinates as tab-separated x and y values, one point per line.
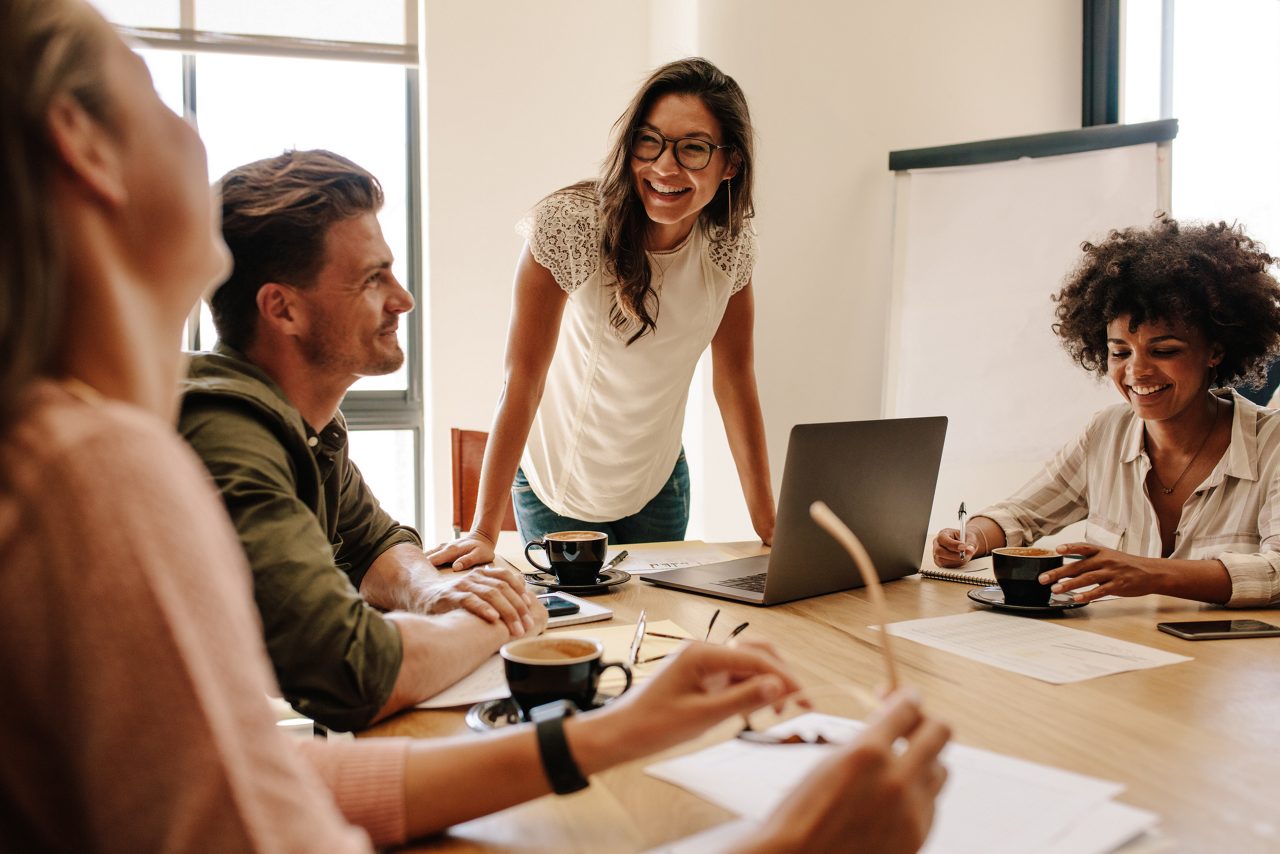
1241	459
1133	443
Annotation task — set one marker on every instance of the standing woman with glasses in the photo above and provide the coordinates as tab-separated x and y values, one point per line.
623	283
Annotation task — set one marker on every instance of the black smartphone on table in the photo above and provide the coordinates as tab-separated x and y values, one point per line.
558	606
1220	629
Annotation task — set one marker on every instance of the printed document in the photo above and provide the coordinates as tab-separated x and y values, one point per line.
1034	648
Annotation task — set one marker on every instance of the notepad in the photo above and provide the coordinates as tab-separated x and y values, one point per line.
977	571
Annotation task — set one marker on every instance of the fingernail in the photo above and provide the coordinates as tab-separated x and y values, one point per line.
1057	588
491	614
1044	578
528	622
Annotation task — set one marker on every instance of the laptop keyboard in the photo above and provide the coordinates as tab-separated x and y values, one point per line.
754	583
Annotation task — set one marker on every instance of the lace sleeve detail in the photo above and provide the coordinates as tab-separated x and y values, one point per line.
563	235
736	255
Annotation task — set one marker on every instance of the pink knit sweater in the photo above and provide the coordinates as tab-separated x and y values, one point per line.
133	678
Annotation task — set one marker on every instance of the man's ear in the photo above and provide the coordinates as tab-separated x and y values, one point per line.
87	150
280	308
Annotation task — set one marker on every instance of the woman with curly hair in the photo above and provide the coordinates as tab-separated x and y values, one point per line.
623	284
1179	486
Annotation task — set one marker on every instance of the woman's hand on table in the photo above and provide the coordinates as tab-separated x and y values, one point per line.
868	791
471	549
764	530
1116	573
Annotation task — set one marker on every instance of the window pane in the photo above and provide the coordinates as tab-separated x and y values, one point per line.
140	13
1141	61
1226	96
166	75
379	21
386	459
252	107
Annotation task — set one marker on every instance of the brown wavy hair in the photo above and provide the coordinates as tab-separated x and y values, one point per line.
48	48
276	215
623	221
1209	276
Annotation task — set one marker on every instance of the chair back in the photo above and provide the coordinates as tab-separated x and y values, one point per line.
468	457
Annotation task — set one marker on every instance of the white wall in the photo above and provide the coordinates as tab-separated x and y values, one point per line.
520	99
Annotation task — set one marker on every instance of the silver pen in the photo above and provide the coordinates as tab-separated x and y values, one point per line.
964	528
617	559
637	640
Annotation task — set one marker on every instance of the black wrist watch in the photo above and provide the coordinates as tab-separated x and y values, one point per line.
557	762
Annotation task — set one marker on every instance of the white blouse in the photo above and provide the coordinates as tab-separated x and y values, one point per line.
607	433
1233	516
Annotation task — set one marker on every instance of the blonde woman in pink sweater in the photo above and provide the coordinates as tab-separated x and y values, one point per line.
134	715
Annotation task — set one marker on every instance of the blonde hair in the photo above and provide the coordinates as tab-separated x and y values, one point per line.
48	48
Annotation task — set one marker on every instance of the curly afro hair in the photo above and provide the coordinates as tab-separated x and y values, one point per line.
1212	277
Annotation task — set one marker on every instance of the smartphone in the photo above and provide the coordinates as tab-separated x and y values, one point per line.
1218	629
558	606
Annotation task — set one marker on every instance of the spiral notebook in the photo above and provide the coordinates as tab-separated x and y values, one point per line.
974	572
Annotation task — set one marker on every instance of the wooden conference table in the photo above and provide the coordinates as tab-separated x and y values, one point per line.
1196	742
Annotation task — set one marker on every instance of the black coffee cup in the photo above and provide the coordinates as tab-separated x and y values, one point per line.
1018	569
545	669
575	556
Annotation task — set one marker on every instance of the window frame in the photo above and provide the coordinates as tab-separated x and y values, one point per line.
381	409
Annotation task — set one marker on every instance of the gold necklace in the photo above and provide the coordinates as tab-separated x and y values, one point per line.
1167	490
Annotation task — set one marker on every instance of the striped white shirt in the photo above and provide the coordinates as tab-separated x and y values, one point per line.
1233	516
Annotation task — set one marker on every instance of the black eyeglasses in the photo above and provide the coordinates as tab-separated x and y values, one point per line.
692	152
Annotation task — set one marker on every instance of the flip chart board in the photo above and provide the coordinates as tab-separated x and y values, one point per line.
978	251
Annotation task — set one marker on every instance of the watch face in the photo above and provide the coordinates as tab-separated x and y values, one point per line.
554	709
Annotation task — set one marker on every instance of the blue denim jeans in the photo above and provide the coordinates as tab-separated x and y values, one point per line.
664	518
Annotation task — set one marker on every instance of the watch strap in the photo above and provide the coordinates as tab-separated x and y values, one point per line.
557	761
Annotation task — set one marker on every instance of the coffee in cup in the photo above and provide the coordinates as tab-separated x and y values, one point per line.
575	556
1018	569
545	669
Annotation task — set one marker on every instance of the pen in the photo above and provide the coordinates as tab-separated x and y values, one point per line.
617	559
964	525
637	640
668	637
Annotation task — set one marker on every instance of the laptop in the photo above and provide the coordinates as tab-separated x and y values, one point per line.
877	476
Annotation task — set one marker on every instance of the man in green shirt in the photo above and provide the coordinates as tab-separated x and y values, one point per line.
311	307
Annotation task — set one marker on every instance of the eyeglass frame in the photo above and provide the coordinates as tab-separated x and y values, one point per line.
675	148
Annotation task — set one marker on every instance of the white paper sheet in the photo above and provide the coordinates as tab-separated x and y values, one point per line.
718	838
1033	648
1111	827
1038	804
486	682
655	557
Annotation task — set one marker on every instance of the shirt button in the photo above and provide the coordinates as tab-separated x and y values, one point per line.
312	442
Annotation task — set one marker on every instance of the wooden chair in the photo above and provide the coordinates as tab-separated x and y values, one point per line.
468	455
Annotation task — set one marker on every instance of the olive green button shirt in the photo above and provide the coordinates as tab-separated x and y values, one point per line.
310	528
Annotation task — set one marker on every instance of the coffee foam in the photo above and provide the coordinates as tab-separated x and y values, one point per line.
552	650
576	536
1025	552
